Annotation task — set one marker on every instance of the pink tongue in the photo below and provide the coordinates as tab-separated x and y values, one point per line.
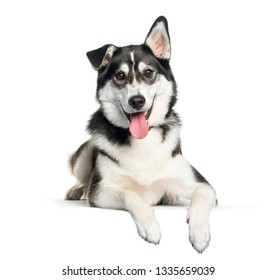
138	126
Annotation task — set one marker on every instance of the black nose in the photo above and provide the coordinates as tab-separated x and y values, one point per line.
137	101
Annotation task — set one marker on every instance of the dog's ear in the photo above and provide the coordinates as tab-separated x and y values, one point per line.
158	39
102	56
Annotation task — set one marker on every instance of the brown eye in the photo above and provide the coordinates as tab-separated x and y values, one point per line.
120	76
148	73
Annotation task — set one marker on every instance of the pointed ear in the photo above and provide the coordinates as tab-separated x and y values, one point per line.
102	56
158	39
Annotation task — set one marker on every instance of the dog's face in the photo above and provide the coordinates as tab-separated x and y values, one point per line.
136	88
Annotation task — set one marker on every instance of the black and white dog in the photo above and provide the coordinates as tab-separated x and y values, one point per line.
133	159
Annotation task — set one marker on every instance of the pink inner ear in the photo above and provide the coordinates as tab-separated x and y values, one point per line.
106	59
159	45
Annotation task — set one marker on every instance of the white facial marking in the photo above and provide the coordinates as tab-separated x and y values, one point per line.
124	68
142	66
132	59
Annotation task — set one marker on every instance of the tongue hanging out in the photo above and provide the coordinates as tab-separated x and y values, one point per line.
138	125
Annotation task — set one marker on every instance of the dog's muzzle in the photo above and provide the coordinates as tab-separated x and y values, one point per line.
138	120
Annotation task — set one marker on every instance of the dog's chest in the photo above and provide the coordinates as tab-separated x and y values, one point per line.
146	159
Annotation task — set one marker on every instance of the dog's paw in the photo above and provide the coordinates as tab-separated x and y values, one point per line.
75	193
199	231
148	228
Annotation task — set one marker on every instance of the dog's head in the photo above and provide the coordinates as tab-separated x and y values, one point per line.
136	88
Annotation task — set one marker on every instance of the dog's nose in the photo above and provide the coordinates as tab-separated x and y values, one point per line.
137	102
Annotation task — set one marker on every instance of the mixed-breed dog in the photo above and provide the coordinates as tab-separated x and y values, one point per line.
133	159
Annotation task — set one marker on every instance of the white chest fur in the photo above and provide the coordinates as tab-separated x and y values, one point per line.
145	161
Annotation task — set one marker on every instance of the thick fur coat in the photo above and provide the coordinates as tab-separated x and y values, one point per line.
133	159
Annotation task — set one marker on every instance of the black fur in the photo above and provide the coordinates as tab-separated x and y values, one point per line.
104	153
199	177
171	104
177	150
96	56
96	176
94	179
165	200
93	185
165	128
101	125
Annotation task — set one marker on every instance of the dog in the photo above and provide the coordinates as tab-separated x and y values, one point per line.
133	159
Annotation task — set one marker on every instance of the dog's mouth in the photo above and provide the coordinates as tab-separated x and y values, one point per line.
139	123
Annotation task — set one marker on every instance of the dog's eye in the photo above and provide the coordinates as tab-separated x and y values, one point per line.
120	76
148	73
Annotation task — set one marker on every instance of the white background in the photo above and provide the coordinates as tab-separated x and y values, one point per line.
224	59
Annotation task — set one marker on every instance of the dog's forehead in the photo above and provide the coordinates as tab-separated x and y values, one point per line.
133	58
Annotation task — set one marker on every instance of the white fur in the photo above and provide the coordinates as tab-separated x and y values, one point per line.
198	216
124	68
132	59
142	66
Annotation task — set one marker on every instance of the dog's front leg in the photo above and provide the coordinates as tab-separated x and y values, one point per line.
117	198
203	198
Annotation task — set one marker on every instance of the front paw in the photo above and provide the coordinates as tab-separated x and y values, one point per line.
148	228
199	231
